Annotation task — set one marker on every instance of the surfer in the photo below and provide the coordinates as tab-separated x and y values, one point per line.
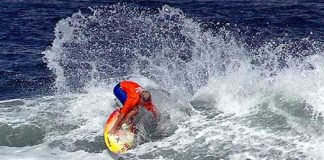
132	96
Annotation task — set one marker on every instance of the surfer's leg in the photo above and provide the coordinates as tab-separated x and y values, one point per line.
120	94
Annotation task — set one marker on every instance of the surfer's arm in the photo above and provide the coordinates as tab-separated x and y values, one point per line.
132	113
124	114
151	107
155	114
117	123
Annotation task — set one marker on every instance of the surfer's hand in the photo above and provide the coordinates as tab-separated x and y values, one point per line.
156	116
113	131
157	119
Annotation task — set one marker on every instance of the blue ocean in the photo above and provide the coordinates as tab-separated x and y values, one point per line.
232	80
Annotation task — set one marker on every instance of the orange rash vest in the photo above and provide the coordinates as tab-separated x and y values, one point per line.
133	92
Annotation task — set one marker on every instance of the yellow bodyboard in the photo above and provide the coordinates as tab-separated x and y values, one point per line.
123	139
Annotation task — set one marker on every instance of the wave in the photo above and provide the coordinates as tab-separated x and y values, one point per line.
215	91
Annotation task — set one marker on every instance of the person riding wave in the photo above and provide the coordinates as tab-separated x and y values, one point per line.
132	96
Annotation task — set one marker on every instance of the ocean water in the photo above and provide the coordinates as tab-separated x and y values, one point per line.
232	79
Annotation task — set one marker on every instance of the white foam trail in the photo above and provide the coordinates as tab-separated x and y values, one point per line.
203	137
41	152
318	152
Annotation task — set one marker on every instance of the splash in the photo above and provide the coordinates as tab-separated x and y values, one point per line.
276	87
117	41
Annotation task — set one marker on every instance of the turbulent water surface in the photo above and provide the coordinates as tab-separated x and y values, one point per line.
231	79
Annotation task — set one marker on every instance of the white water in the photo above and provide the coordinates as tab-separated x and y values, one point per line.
216	100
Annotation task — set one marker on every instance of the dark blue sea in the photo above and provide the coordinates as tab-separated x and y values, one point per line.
234	79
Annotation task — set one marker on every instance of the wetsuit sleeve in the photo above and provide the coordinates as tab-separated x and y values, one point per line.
150	107
129	104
